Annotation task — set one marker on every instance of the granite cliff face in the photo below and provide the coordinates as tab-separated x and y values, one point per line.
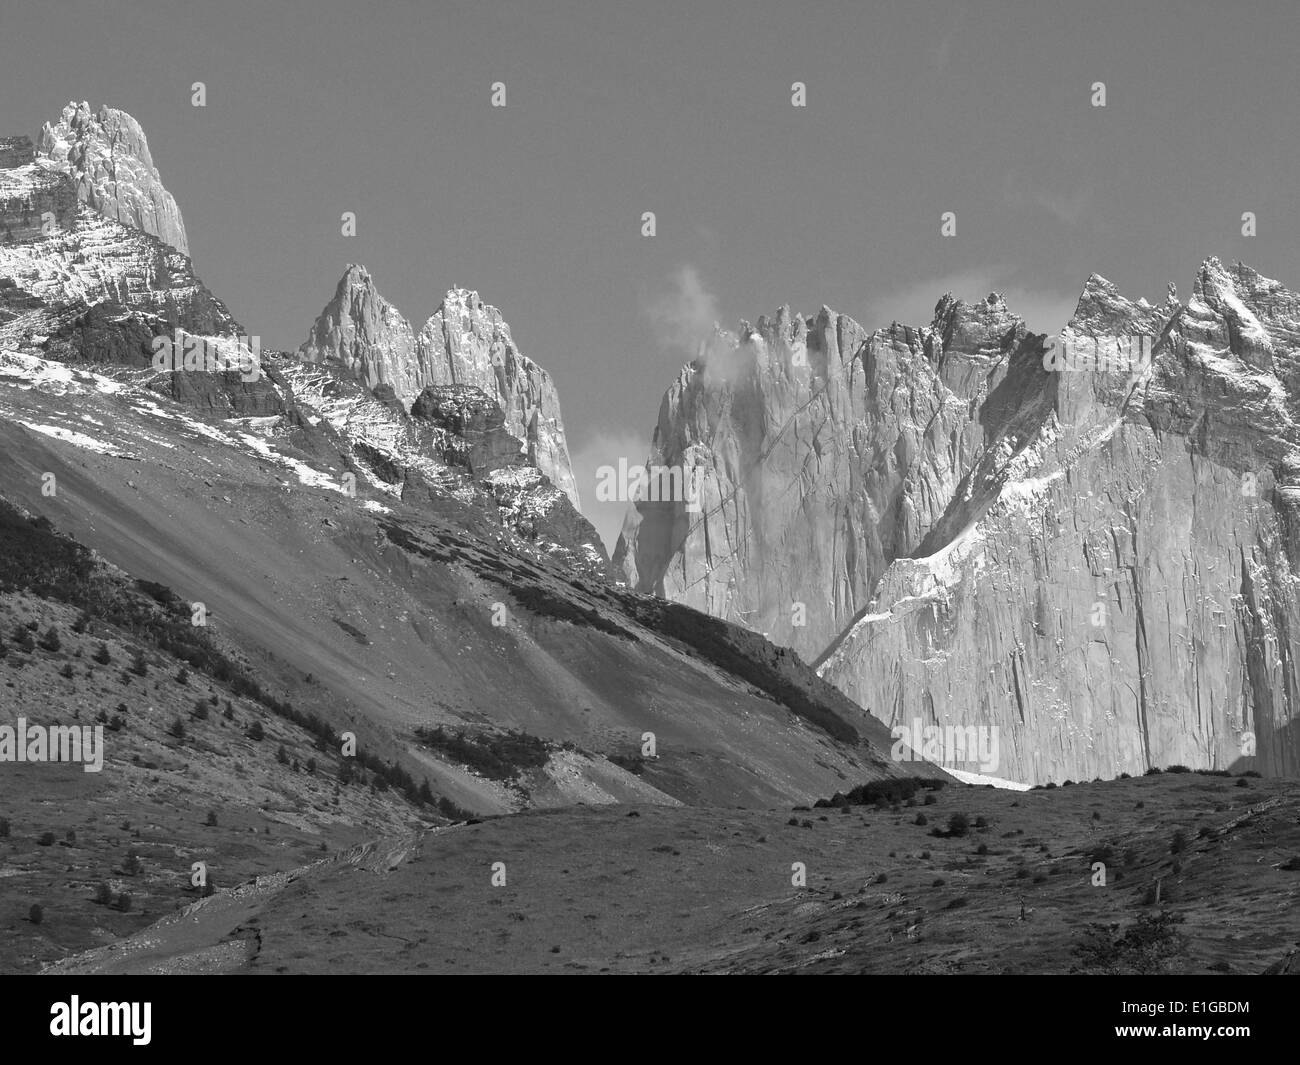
107	155
829	453
464	342
1094	557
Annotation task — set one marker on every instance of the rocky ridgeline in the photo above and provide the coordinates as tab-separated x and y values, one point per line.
464	342
1097	562
91	272
107	156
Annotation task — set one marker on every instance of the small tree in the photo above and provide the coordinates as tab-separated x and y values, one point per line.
139	666
1179	842
282	756
4	828
132	864
182	676
101	654
958	824
177	729
255	732
212	819
200	711
50	641
103	894
123	903
36	915
66	671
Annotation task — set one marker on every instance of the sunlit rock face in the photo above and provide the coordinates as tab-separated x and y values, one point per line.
1088	545
464	342
107	155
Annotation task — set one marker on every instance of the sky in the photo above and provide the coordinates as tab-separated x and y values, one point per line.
685	109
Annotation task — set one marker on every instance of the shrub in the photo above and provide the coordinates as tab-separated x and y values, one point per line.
66	671
123	903
938	882
182	676
1143	949
498	756
282	756
633	763
138	665
36	914
921	819
50	641
131	866
957	903
200	711
256	732
4	828
930	799
101	654
211	822
958	824
981	822
882	878
1177	769
46	840
177	729
1179	842
1154	771
983	848
103	894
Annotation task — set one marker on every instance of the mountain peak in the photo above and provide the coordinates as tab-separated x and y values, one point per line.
107	154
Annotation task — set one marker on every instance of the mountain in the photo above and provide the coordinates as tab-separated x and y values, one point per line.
465	342
107	155
1094	559
239	561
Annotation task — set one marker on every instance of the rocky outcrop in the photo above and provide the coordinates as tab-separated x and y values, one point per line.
366	335
1090	548
59	256
107	156
451	455
472	418
465	342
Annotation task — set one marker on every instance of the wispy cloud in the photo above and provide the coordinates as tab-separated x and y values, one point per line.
685	316
941	52
605	448
1069	208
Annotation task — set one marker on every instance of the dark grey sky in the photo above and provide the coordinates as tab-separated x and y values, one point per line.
683	108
